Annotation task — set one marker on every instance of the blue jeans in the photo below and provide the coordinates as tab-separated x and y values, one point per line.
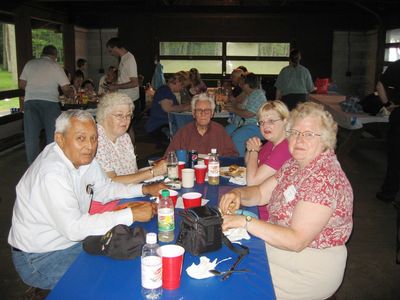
44	270
38	115
240	135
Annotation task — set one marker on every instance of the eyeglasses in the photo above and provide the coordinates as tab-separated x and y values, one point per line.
307	135
121	117
206	111
267	122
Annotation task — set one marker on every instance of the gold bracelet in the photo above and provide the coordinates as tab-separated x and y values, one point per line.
253	150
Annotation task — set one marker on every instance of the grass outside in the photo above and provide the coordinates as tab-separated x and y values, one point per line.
7	83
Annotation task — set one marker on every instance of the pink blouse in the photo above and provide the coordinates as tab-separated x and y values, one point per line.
322	182
274	156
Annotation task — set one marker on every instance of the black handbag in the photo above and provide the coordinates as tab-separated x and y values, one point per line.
201	231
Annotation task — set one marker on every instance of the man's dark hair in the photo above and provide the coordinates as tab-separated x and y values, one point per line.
251	79
295	57
49	50
81	62
243	68
114	42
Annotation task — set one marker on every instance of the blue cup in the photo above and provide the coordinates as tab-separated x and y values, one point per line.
181	155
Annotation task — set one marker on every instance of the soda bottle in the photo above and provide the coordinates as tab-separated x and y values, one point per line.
151	265
213	168
172	166
166	220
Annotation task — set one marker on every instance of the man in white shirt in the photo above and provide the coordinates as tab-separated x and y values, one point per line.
127	70
41	78
127	82
50	216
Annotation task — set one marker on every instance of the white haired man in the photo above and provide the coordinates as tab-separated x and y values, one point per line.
203	134
50	215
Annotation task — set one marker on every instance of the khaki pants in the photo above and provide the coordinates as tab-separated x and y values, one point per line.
309	274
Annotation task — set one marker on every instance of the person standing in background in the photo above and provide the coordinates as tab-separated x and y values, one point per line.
127	81
294	82
81	64
388	88
41	78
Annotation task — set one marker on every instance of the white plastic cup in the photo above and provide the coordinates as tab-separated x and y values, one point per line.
187	178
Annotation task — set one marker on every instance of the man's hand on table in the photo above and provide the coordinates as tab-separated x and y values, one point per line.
141	211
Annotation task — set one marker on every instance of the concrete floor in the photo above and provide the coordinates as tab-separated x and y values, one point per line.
371	271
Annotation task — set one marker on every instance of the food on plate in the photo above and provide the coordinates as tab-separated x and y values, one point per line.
233	171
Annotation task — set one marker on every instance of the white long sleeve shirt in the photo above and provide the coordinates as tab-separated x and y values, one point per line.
53	200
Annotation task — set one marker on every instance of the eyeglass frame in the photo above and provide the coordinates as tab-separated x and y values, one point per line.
269	122
121	117
200	111
307	135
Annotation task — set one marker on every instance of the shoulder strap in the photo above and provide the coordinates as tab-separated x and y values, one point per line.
241	250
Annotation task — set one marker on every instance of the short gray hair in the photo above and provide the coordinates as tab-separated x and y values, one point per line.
63	122
202	97
329	126
108	101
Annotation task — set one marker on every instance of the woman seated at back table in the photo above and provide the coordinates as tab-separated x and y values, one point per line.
164	102
262	161
197	86
115	151
310	202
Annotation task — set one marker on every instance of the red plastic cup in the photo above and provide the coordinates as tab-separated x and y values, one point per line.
200	173
172	194
172	261
192	199
181	166
206	160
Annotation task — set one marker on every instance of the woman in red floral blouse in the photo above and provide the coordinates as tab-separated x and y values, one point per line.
310	202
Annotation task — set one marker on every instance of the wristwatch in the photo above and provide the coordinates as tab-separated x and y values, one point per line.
248	220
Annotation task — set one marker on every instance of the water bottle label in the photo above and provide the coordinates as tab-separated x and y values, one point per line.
213	169
166	220
172	172
151	272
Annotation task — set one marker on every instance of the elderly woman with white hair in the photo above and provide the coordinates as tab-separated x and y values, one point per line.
203	134
310	202
115	151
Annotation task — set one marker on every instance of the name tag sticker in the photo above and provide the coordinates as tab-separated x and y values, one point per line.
290	193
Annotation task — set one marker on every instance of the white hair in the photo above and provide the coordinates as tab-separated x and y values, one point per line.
202	97
110	100
63	122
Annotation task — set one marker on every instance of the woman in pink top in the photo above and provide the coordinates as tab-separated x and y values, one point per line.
310	202
262	161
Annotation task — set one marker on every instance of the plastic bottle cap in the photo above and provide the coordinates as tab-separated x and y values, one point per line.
151	238
164	193
213	150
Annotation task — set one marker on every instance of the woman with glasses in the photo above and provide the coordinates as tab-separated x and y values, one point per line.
262	161
115	151
203	134
310	202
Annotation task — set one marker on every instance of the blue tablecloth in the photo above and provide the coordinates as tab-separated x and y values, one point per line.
100	277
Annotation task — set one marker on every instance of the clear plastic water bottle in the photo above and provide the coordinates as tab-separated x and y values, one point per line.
213	168
172	166
151	265
166	218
